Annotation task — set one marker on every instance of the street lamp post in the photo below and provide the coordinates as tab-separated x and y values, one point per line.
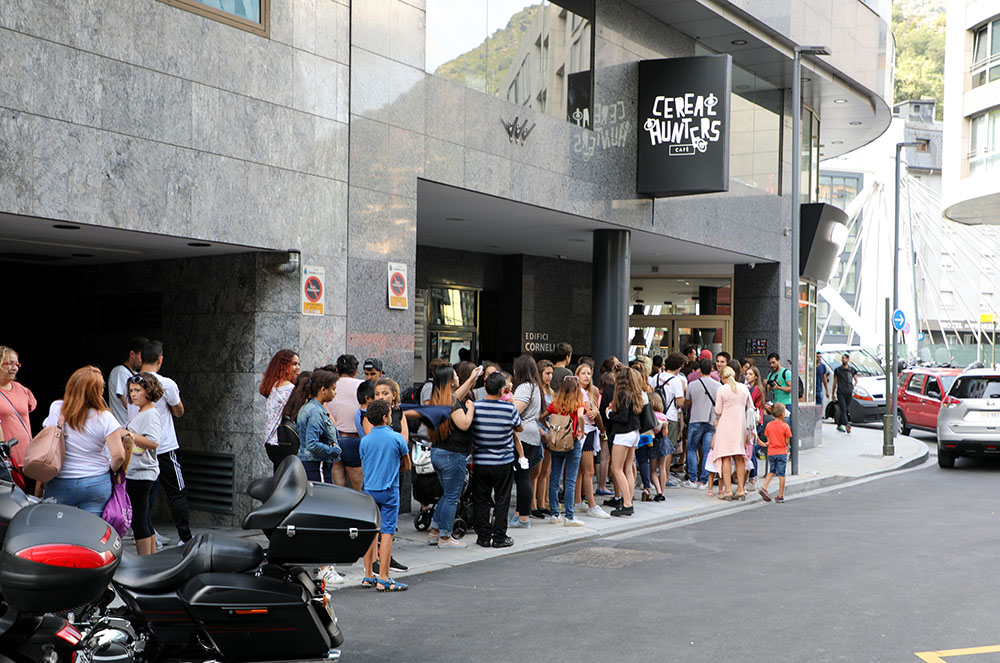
895	291
794	267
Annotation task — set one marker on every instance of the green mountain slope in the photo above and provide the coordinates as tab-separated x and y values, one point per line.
484	67
919	29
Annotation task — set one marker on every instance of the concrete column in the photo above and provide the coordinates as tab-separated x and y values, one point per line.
609	315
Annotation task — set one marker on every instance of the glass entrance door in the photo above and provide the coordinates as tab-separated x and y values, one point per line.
663	334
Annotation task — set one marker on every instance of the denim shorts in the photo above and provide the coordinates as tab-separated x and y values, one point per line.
776	465
350	450
388	506
88	493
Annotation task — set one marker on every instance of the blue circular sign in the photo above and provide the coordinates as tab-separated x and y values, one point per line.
898	319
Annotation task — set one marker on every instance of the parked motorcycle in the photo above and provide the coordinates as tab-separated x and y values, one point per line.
214	598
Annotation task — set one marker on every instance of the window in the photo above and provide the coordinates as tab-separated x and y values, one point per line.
933	389
984	142
250	15
986	54
986	302
916	384
535	54
947	299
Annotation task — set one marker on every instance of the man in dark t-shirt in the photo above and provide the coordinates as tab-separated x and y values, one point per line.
845	377
561	360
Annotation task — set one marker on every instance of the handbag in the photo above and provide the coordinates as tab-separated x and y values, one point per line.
288	435
118	510
647	417
44	457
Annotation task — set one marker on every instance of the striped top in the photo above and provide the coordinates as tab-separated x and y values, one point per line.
492	428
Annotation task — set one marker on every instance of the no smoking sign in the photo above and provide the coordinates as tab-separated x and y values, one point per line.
397	286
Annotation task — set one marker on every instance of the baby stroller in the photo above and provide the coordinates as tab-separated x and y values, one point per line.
427	490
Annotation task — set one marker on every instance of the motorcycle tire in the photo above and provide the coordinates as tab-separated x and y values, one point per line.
458	529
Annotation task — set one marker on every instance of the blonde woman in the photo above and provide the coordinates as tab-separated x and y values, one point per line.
623	415
731	404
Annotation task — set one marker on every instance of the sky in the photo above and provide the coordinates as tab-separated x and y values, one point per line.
458	26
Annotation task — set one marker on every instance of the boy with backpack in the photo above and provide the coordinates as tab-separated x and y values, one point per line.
381	452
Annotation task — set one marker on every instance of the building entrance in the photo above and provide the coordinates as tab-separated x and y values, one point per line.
663	334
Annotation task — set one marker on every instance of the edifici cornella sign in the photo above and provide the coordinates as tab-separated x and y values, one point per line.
683	125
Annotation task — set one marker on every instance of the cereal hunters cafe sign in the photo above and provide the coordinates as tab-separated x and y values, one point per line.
683	127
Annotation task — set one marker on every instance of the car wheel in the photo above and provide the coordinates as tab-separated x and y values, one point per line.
946	461
901	423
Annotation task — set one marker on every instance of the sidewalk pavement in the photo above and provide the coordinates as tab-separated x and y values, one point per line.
839	458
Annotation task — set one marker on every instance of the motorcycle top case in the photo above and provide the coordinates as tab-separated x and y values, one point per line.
256	619
57	557
331	525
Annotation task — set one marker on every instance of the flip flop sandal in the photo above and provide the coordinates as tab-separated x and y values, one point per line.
367	583
389	585
764	494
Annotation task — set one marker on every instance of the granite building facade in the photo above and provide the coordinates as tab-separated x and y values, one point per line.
166	172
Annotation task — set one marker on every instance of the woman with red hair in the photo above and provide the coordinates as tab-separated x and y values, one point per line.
93	439
276	386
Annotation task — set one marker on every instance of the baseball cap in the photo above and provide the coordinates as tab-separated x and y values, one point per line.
372	364
705	354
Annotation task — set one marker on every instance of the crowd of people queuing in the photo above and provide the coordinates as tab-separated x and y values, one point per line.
557	435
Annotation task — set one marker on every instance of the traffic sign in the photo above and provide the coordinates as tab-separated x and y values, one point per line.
906	328
312	290
898	319
920	336
397	286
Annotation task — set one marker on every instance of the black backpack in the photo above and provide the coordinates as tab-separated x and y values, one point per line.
288	435
661	391
411	395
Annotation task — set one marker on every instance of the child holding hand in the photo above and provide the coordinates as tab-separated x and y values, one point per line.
777	433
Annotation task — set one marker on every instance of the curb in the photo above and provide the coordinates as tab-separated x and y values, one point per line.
799	487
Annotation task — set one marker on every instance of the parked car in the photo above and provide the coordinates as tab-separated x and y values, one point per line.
868	403
918	399
969	420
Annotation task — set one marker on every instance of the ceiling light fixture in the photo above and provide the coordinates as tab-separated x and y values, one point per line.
836	142
840	101
856	123
199	245
453	218
65	226
738	42
806	79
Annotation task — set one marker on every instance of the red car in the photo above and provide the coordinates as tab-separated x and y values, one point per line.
919	396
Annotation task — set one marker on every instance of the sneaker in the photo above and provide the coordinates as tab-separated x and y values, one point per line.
702	485
659	498
161	540
517	522
688	484
555	519
485	543
841	429
603	493
573	522
505	542
848	430
673	484
623	511
613	502
432	539
329	575
541	514
393	564
598	512
452	542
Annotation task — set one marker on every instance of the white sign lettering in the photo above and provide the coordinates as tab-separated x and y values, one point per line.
687	123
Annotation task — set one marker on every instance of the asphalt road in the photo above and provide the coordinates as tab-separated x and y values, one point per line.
876	571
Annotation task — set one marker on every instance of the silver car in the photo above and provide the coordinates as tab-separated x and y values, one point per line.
969	420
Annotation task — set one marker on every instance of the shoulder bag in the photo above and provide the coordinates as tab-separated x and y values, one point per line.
118	510
44	458
647	417
288	435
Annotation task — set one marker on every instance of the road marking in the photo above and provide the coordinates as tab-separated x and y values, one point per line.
938	656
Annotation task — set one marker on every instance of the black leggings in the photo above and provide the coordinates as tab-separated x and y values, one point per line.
522	478
142	518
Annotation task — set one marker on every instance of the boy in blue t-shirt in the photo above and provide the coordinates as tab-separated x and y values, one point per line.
381	451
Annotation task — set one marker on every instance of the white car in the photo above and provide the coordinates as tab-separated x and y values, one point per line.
868	402
968	423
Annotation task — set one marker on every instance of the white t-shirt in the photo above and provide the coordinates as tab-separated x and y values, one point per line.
171	396
86	451
118	386
673	387
144	464
531	395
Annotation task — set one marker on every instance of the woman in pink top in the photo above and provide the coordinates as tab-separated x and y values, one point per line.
16	401
731	402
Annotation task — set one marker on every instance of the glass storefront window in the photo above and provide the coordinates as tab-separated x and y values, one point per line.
249	15
809	158
693	295
807	340
534	54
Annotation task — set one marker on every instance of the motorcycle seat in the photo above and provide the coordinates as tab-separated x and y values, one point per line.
279	494
172	567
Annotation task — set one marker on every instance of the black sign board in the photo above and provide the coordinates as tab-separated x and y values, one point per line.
683	125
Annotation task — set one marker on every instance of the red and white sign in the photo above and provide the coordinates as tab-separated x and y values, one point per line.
313	291
398	286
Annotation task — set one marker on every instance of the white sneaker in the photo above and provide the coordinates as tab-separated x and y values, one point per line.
329	575
598	512
582	506
555	519
688	484
451	542
573	522
160	539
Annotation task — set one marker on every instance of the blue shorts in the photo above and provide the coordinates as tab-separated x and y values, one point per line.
776	465
388	506
350	450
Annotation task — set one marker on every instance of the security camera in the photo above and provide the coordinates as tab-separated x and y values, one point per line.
751	265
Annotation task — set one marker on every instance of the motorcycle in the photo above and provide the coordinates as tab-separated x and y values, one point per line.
215	598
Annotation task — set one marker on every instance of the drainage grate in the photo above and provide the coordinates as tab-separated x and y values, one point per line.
605	558
209	480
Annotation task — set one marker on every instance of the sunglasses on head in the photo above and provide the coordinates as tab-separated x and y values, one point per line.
137	379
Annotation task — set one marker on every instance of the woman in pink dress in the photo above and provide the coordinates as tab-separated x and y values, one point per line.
730	432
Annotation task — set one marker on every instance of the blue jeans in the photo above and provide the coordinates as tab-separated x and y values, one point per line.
571	461
700	434
88	493
450	467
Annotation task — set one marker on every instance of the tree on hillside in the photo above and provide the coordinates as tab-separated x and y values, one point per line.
919	56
